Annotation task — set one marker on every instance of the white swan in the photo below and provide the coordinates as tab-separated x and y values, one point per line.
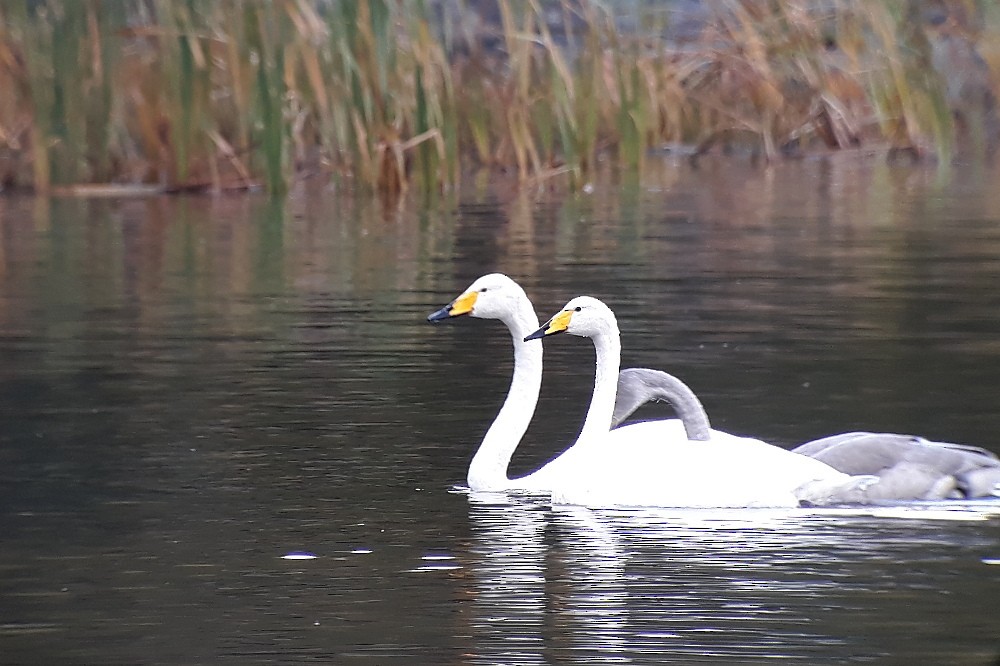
908	467
496	296
647	464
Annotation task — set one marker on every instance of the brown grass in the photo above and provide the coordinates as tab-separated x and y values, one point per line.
220	94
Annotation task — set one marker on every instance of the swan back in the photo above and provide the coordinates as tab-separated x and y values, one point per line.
648	465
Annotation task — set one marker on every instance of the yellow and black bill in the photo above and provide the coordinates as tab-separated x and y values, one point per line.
460	306
558	324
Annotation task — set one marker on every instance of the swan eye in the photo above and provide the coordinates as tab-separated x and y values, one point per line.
483	290
577	309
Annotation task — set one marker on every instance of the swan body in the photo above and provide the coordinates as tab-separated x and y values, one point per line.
654	464
908	467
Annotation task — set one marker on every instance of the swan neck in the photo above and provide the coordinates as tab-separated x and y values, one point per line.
688	408
602	404
488	470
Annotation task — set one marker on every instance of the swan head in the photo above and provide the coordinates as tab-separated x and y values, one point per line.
585	316
493	296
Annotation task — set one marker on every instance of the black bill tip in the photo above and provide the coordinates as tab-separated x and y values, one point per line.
443	313
540	333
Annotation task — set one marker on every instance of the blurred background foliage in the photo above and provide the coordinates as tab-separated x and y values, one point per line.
390	94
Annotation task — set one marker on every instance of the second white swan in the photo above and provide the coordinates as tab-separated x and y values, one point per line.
646	465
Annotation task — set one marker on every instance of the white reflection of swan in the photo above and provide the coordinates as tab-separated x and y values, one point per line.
716	594
594	600
908	467
507	558
575	585
535	594
647	464
739	586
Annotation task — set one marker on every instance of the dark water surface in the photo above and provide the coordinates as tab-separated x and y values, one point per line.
193	388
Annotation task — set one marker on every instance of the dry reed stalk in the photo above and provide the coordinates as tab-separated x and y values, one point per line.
394	96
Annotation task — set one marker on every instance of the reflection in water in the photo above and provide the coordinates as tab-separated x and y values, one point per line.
572	585
508	556
592	566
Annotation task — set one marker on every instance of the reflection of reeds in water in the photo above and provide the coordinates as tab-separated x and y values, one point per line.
392	95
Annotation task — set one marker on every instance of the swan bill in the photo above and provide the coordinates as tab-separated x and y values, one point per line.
460	306
558	324
438	315
463	304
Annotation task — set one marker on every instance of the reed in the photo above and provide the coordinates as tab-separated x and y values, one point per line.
387	95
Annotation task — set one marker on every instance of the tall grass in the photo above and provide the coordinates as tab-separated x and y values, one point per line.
390	95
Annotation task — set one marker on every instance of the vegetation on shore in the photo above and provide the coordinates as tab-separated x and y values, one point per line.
391	94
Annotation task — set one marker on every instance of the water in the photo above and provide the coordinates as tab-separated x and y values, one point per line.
195	388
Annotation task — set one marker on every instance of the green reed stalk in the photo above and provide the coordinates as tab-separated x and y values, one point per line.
518	113
103	29
186	48
31	33
68	121
562	110
266	34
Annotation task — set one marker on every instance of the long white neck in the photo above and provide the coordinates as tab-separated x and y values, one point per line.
602	405
488	470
